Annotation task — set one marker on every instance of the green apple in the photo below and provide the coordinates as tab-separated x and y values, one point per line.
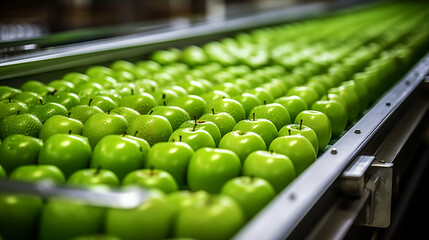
88	88
25	124
60	124
192	104
175	115
144	146
248	101
164	95
151	179
153	218
29	98
263	94
252	193
194	55
351	99
3	173
224	121
19	216
276	168
67	99
172	157
62	85
210	168
128	113
185	198
214	217
17	150
45	111
293	105
101	124
308	94
228	105
336	113
29	86
242	143
361	91
318	87
35	173
195	138
118	154
96	71
68	152
122	65
319	122
297	148
141	102
8	92
165	57
294	129
103	102
229	88
11	107
93	177
263	127
62	219
274	112
105	81
76	78
193	87
209	126
83	112
152	128
214	95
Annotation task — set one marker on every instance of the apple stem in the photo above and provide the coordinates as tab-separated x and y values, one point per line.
163	96
265	102
254	116
300	124
10	100
108	112
132	91
151	111
272	151
97	171
195	119
70	131
195	125
89	103
68	115
41	101
180	138
165	104
53	92
252	178
289	132
17	112
124	133
213	111
135	134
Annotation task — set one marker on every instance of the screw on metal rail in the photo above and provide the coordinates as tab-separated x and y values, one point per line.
388	104
334	151
357	131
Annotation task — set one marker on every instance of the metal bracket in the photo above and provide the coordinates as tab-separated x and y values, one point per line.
375	177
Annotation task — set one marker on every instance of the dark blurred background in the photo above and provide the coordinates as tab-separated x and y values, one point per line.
28	18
